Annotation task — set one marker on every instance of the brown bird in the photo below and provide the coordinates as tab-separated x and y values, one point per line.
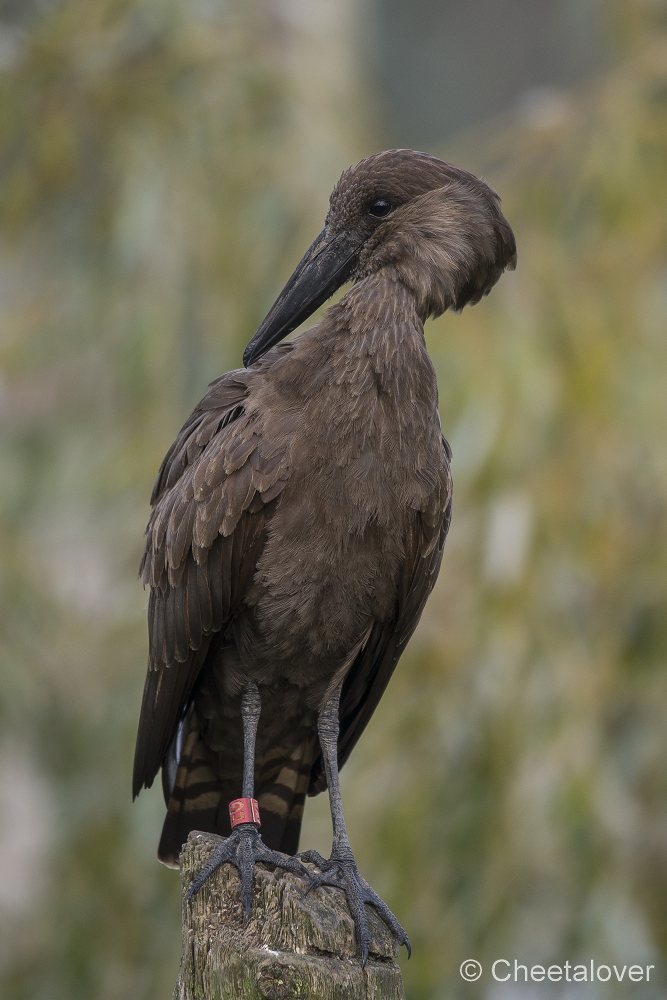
299	522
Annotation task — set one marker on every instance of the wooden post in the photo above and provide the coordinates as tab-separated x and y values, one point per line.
292	945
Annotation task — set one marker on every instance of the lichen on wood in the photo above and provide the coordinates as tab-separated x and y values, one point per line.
291	945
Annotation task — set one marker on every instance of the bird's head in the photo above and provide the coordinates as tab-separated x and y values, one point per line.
435	228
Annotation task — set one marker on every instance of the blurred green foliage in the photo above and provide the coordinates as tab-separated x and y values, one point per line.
521	746
163	166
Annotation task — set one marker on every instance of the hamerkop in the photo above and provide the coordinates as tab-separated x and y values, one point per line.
299	522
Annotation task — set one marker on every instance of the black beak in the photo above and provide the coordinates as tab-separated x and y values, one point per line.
325	266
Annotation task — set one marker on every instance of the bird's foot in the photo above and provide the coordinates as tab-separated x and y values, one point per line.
341	871
243	848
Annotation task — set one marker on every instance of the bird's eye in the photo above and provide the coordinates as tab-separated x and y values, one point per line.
380	208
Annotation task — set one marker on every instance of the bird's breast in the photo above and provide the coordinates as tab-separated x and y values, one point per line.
360	473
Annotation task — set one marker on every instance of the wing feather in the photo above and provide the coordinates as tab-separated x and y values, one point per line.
204	598
208	526
195	633
219	609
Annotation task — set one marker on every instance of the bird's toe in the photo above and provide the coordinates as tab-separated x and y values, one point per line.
290	864
243	848
370	896
223	852
313	858
342	873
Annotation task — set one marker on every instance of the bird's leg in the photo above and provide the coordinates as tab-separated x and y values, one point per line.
244	845
341	869
251	707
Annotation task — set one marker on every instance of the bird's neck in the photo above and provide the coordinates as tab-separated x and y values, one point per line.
366	390
372	342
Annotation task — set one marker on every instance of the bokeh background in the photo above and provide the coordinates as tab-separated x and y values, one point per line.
163	164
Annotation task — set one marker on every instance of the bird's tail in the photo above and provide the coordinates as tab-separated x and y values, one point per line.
198	800
283	779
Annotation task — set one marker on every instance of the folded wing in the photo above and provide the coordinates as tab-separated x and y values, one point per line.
213	498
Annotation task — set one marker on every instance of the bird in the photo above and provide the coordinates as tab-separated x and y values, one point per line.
298	525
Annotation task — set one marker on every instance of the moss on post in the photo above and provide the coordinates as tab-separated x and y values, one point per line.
292	945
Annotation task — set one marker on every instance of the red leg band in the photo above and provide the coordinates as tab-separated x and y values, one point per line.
244	811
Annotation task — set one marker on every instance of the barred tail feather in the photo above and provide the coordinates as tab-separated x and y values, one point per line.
198	800
283	782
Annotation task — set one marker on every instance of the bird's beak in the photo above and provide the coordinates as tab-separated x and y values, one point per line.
325	266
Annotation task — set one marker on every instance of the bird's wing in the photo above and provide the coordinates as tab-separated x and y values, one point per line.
212	500
374	665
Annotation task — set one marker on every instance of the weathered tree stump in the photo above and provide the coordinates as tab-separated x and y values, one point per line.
292	945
